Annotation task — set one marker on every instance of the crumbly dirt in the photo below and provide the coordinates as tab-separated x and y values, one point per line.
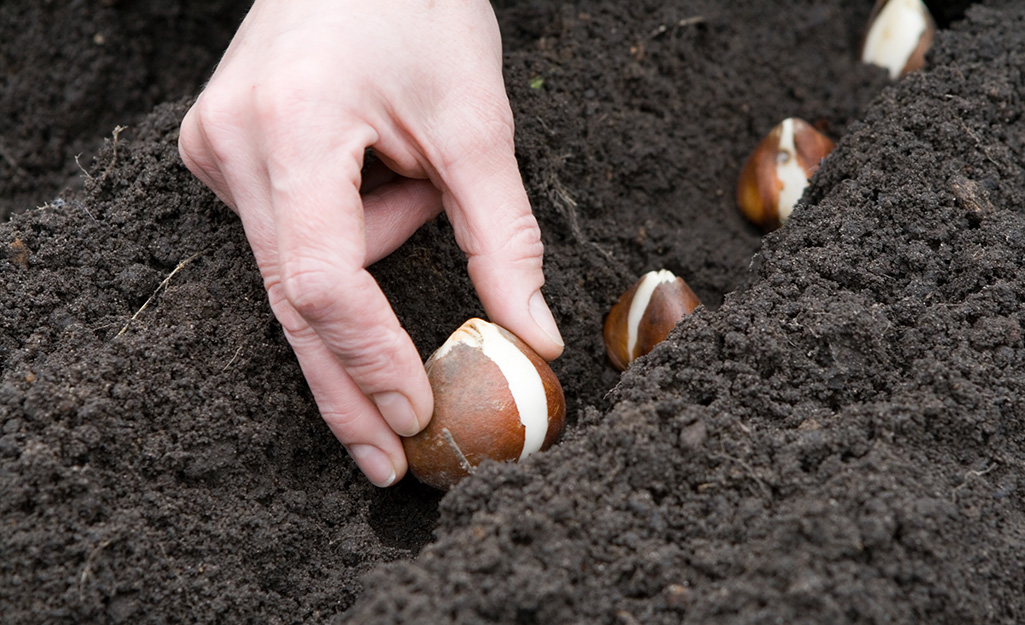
72	71
836	436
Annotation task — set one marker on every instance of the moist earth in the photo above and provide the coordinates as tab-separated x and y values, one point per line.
837	435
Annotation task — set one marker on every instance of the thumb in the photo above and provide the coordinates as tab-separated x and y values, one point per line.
490	214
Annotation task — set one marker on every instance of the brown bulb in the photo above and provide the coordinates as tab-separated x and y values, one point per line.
775	175
494	398
899	34
645	315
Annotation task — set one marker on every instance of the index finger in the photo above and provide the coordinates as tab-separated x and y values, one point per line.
493	222
321	251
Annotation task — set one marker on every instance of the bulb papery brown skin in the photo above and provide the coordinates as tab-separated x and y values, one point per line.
645	315
899	34
494	398
777	171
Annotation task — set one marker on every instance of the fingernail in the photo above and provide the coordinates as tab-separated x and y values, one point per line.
374	463
543	317
398	412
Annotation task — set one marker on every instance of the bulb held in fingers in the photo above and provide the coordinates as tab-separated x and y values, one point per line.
494	398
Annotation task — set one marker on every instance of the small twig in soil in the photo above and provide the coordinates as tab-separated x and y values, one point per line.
972	473
59	204
113	159
157	290
79	204
233	358
85	172
561	197
687	21
87	569
638	50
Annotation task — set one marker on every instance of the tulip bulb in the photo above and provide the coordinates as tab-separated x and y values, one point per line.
899	34
494	398
774	176
645	315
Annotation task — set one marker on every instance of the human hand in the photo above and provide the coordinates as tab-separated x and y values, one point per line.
279	134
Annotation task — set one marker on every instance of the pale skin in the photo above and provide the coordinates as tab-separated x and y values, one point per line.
280	133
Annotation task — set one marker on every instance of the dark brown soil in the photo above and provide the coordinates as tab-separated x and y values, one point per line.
71	71
838	436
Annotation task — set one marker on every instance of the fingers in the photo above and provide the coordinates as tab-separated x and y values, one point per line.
197	154
321	255
311	250
493	223
394	211
349	414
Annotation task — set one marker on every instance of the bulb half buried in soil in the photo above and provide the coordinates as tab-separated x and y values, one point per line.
777	171
645	315
899	34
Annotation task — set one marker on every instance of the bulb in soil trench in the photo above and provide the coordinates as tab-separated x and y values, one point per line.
775	175
645	315
494	398
898	36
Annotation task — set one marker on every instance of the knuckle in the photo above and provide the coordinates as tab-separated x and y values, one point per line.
274	104
307	294
487	127
371	359
291	321
216	109
282	100
278	100
190	141
525	235
344	419
306	283
518	241
211	130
